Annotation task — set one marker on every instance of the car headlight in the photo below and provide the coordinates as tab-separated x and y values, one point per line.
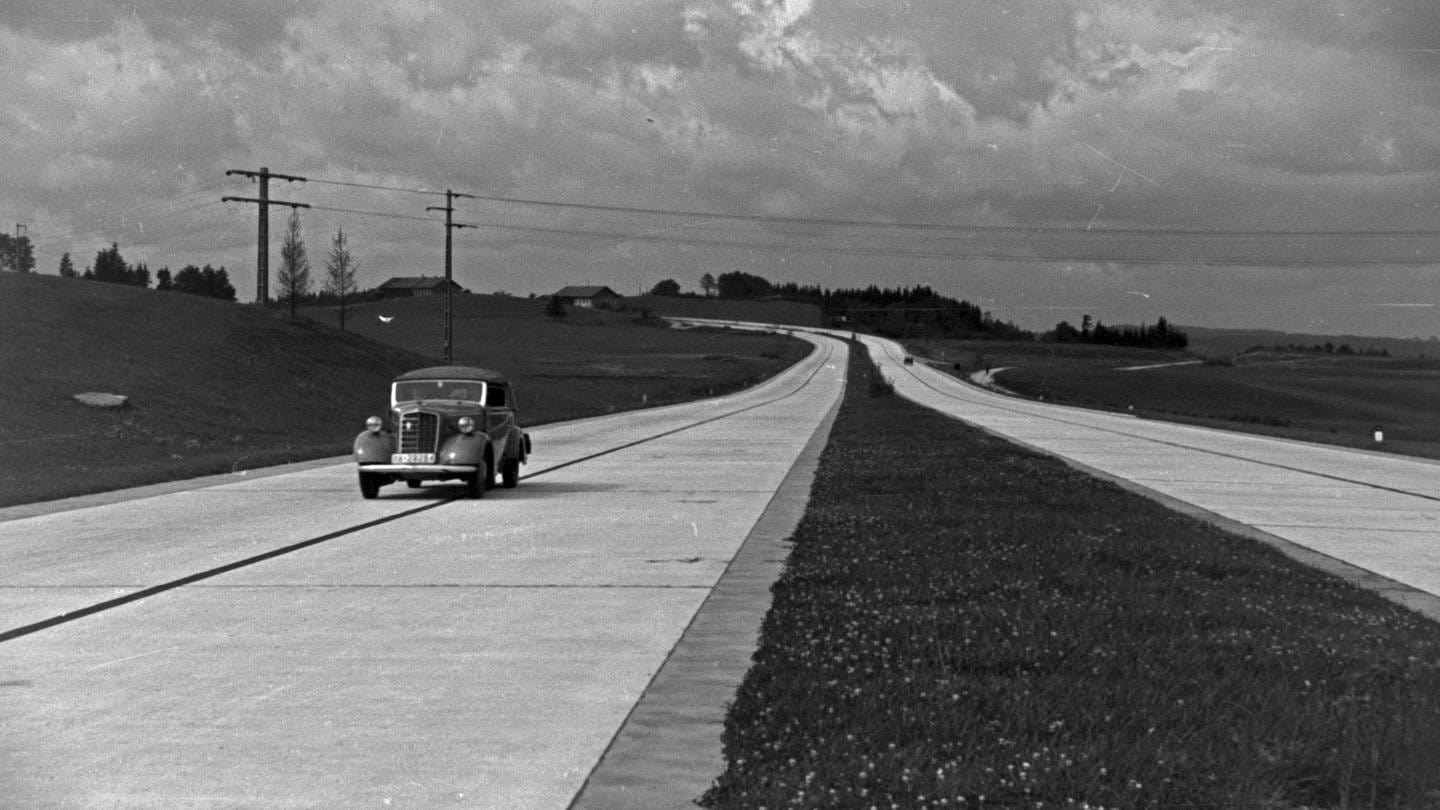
374	424
466	424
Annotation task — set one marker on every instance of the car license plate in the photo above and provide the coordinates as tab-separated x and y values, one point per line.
412	458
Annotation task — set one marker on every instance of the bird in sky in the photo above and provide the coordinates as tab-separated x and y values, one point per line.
386	318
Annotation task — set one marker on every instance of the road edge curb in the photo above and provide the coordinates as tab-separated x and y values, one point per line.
667	753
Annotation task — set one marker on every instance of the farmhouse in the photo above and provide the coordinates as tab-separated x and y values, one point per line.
588	296
406	287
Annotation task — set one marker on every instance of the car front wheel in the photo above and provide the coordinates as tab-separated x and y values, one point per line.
510	473
475	485
369	485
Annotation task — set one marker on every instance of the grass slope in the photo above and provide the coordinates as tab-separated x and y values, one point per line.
586	363
213	386
963	623
218	387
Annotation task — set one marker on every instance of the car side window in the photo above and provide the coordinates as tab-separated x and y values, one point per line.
495	396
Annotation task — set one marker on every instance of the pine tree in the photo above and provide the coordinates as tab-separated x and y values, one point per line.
294	276
340	269
110	266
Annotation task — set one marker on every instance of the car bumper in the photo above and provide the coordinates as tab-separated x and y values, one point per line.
419	469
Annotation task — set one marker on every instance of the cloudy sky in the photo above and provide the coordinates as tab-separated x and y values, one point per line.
1247	163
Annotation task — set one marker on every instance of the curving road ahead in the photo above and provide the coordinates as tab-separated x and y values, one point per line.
275	641
1371	517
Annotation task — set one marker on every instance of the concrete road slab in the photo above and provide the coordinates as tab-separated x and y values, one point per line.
339	696
427	653
1363	513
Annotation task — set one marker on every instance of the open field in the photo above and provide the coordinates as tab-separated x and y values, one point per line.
219	387
964	623
588	362
1325	398
1221	343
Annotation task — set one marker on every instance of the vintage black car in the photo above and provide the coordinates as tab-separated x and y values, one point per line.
445	423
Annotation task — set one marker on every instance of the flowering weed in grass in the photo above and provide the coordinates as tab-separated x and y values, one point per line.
963	623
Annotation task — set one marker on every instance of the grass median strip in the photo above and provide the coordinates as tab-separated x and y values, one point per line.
964	623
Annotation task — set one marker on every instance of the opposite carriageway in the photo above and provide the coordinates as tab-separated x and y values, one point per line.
1373	518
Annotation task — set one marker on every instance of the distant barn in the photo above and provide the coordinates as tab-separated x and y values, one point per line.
588	296
416	285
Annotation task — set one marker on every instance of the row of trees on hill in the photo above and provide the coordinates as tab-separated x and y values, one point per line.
1160	336
110	267
914	312
911	312
293	277
901	312
1328	347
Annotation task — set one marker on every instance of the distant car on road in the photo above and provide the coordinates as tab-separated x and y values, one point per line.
445	423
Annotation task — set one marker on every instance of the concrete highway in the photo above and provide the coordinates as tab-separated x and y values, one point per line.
1371	517
297	646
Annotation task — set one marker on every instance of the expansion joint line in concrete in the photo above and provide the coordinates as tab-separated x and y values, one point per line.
201	576
110	604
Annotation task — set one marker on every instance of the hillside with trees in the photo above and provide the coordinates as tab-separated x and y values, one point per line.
1160	336
914	312
902	312
110	267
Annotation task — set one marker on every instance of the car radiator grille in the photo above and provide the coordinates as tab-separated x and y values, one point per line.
418	432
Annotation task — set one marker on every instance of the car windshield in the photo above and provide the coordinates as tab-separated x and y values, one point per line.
454	390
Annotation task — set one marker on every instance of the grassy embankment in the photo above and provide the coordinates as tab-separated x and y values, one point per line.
221	387
963	623
1329	399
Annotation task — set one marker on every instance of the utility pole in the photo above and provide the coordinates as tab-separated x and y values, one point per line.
262	257
450	225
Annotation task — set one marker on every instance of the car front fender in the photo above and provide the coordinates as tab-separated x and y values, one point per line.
463	448
517	444
374	448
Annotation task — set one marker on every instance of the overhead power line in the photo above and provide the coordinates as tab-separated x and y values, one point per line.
1057	255
377	187
925	226
940	241
830	222
380	214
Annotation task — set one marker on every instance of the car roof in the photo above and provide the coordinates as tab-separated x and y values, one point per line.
453	373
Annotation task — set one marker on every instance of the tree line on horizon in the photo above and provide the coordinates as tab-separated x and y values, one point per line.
293	278
1160	336
901	312
920	312
111	268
